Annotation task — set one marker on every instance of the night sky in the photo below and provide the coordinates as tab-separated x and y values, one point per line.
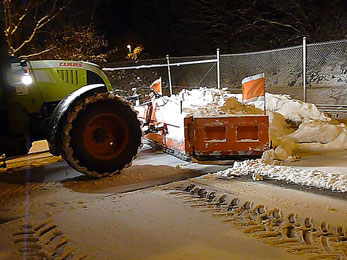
194	27
198	27
156	25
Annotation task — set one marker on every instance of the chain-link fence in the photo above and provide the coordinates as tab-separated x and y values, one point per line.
187	76
282	69
326	77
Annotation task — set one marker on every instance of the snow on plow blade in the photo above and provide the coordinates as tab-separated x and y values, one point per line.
226	136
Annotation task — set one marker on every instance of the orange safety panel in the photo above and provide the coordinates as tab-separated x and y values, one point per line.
253	87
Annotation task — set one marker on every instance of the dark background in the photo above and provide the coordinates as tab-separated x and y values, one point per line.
187	27
197	27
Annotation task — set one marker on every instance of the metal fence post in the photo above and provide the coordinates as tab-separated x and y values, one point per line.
304	67
169	73
218	69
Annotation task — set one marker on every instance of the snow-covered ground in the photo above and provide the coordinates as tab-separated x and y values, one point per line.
257	221
258	169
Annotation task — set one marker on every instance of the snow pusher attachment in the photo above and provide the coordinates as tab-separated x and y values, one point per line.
205	138
225	137
213	138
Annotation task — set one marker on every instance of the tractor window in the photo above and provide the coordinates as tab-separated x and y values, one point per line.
93	78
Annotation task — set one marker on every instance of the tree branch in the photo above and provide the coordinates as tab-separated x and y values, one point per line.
20	19
53	13
281	24
36	54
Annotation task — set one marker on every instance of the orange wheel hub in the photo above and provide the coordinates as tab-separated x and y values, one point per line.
106	136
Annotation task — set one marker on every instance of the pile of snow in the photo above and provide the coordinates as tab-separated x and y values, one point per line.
258	169
315	130
292	109
198	102
339	143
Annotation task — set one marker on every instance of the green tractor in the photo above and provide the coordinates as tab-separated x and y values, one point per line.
73	106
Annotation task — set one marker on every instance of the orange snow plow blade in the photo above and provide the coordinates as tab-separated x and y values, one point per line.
217	138
226	136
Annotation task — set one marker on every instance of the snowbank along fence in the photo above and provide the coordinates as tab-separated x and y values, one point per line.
325	71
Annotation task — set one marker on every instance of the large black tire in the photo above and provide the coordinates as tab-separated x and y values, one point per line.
101	135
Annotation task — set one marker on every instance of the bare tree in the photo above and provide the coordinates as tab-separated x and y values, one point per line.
76	42
24	21
232	25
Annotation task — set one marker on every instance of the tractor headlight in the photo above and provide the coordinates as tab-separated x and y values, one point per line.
27	79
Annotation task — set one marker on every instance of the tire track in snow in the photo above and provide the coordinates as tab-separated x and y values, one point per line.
43	240
317	241
20	190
